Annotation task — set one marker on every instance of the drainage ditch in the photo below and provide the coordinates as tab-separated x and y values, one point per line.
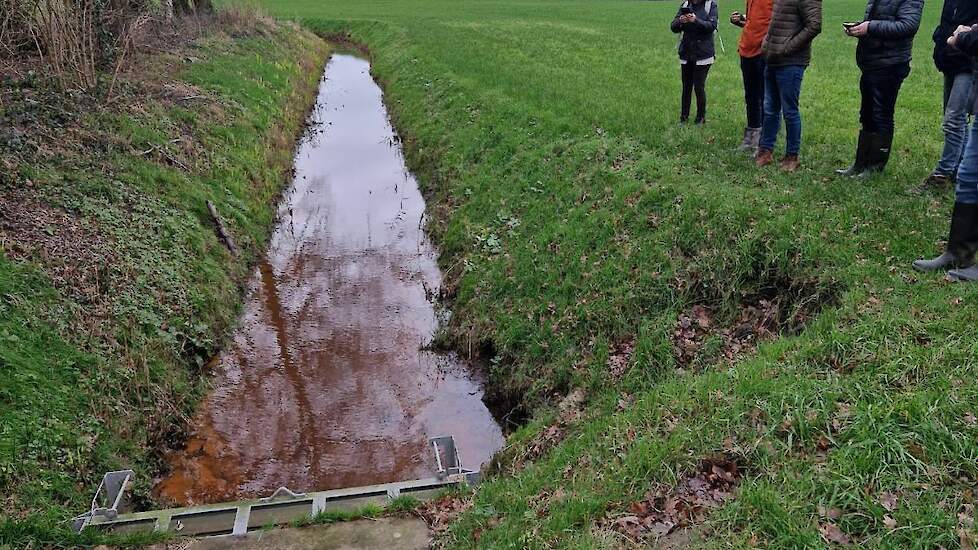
328	382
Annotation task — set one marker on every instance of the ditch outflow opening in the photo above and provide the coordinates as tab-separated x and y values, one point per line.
326	383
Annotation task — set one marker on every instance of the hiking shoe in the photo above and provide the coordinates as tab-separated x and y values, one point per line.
934	182
764	157
790	164
966	275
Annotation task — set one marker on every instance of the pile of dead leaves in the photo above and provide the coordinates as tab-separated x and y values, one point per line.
438	514
665	509
619	357
691	330
756	321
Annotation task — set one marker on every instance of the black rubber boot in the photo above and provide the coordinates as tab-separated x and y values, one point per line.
752	136
877	154
862	148
962	241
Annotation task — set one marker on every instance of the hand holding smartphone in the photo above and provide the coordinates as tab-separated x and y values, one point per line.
857	29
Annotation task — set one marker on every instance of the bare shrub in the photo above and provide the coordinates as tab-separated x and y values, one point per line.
77	39
66	35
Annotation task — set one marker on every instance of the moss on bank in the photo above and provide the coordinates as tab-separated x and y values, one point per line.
114	287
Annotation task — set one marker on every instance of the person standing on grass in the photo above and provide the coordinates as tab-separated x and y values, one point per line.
958	79
787	51
883	54
697	21
755	23
962	241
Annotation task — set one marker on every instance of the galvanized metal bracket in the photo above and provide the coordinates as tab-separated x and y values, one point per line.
109	498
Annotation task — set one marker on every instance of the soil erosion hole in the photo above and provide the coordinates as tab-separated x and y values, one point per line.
327	382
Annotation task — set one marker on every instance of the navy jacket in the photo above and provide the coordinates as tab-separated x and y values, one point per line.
696	45
950	60
889	42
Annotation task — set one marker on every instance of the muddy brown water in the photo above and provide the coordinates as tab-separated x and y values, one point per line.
326	383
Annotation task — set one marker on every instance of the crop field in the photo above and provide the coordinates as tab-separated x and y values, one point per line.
696	309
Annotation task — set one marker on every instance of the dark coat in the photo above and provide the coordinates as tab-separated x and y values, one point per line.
967	44
696	44
889	41
794	24
949	60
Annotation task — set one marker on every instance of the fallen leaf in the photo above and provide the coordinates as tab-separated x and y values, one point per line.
831	533
829	513
888	501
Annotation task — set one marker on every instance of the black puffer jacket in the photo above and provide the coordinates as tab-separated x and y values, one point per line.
892	26
696	45
949	60
794	24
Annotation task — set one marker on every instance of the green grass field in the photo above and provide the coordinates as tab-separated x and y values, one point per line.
576	216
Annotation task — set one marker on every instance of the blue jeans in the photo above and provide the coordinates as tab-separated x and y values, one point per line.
957	92
966	190
782	89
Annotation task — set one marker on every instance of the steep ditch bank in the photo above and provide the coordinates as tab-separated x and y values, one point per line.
327	383
114	286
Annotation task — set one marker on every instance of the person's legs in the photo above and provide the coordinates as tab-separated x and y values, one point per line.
866	119
789	87
687	96
866	127
966	190
886	86
699	85
881	90
962	240
955	123
772	110
752	69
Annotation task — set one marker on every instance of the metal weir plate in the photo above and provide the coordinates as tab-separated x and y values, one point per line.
240	517
283	506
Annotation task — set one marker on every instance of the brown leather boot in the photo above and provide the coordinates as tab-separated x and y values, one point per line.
764	157
790	163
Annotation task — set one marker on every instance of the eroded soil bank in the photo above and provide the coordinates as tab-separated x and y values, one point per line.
325	383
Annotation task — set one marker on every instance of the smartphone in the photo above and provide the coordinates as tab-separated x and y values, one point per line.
850	24
685	10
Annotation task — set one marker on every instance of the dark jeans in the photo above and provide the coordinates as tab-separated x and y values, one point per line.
957	95
782	93
879	89
694	78
752	69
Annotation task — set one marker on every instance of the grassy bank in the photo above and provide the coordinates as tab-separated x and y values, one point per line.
705	307
114	286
